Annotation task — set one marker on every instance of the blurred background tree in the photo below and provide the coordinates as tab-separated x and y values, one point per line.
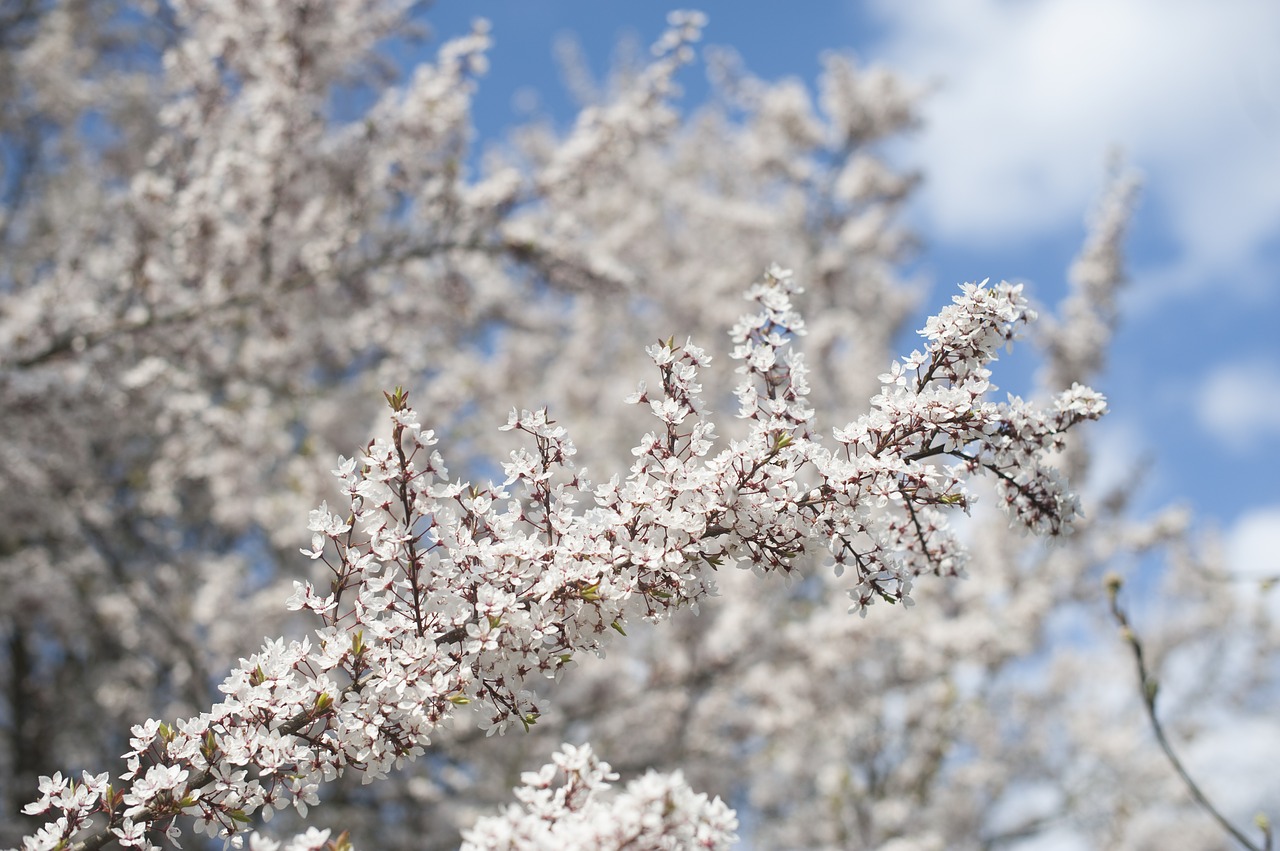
226	227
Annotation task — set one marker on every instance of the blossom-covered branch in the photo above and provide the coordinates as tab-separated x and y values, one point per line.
443	594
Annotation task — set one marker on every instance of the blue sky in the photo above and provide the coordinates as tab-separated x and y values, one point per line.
1028	99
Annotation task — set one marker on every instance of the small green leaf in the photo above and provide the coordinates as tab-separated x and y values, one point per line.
618	627
210	745
397	398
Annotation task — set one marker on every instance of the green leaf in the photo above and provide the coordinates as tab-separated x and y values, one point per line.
398	399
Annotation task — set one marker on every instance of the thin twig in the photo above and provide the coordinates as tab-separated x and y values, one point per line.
1149	686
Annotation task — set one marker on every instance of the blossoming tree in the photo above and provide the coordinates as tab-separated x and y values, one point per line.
208	279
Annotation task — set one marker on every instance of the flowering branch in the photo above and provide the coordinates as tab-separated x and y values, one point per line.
443	594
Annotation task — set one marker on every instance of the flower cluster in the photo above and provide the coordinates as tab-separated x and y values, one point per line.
563	806
443	594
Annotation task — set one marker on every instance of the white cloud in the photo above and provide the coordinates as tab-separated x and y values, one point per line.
1034	94
1239	403
1253	544
1120	451
1234	761
1253	552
